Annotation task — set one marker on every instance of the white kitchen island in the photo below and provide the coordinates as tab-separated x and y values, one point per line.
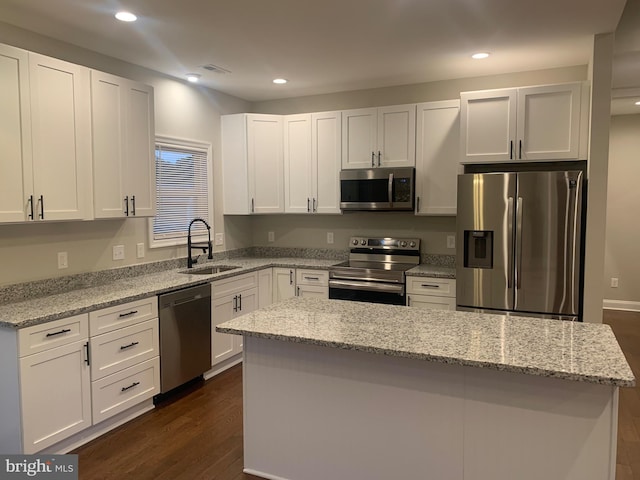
348	390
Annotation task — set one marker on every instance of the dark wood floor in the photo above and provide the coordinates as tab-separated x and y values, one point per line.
198	435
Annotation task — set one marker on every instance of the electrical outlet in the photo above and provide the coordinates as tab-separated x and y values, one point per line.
329	237
451	241
219	239
140	250
118	252
63	260
271	236
614	282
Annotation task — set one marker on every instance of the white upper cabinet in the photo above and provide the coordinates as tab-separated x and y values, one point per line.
61	132
16	180
438	141
521	124
252	164
379	137
123	147
312	163
45	124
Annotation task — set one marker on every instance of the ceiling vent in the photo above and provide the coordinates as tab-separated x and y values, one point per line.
215	69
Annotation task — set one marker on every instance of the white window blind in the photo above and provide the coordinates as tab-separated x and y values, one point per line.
182	190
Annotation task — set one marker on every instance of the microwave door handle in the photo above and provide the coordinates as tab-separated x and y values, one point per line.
390	190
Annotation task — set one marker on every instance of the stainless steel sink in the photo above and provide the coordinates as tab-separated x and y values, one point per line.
209	270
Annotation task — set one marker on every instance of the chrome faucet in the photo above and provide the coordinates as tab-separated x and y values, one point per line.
190	246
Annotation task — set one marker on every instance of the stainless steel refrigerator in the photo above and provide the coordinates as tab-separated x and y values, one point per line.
519	243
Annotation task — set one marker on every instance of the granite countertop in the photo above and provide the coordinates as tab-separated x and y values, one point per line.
41	309
533	346
433	271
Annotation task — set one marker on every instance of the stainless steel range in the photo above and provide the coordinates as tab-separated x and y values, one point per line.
375	270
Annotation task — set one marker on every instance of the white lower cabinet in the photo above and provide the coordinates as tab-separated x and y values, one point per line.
55	388
230	299
312	283
431	293
265	287
284	283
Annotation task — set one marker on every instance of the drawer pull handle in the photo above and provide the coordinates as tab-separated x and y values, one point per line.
132	312
429	285
134	384
311	278
64	330
132	344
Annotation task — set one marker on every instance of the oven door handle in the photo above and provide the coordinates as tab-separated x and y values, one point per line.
368	286
352	278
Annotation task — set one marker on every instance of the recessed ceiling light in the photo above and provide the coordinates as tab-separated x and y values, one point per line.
193	77
479	55
280	81
126	17
638	102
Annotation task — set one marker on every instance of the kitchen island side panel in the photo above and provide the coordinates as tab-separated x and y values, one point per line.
313	412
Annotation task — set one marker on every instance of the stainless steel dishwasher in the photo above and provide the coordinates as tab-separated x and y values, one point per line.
185	335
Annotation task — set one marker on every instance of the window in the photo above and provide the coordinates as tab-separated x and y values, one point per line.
182	189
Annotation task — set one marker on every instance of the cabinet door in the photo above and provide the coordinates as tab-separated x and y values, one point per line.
264	151
284	284
265	287
325	161
109	131
297	164
431	303
549	122
359	138
488	126
140	148
247	302
15	142
437	157
56	395
314	291
222	344
61	119
396	136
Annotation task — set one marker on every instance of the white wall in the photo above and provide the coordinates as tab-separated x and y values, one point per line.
29	252
622	258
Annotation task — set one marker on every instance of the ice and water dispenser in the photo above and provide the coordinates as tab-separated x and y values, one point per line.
478	249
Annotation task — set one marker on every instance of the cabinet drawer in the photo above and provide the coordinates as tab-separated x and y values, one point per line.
431	302
312	277
115	393
234	284
123	348
112	318
52	334
438	287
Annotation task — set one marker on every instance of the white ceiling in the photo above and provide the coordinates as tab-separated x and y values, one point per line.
325	46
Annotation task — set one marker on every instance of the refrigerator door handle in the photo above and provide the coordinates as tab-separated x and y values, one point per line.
510	242
519	208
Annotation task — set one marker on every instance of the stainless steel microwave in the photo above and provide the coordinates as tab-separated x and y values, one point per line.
377	189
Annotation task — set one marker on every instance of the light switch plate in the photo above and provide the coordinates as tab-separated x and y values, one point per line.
118	252
219	238
140	250
451	241
63	260
271	236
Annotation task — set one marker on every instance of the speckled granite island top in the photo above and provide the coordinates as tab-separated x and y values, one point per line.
550	348
41	309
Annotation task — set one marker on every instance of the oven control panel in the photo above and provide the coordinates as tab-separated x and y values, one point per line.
386	243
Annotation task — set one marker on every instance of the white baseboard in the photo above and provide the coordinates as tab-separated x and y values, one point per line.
221	367
621	305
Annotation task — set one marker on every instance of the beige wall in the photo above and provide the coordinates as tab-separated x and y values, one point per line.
29	252
622	258
311	230
422	92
